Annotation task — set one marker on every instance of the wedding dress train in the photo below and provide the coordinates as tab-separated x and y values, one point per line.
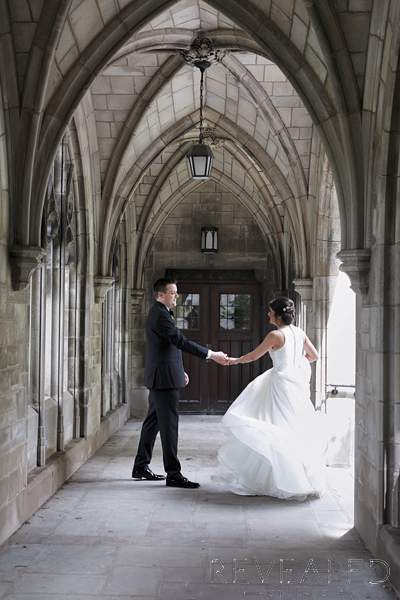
274	444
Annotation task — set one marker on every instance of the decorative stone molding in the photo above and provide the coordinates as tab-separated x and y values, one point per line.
137	296
24	260
356	264
101	287
304	287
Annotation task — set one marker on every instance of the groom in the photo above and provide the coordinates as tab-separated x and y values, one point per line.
164	375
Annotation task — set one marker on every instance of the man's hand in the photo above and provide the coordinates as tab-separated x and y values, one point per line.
219	357
186	379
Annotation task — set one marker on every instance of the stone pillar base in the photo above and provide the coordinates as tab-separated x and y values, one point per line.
389	550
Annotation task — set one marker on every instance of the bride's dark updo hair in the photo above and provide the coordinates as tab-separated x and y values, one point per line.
284	308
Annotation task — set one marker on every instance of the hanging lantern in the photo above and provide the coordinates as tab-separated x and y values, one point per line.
200	156
200	159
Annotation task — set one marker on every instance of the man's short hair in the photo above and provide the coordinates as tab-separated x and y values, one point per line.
161	284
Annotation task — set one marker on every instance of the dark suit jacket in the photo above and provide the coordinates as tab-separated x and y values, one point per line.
164	365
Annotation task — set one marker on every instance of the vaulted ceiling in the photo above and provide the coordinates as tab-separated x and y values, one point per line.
289	87
145	111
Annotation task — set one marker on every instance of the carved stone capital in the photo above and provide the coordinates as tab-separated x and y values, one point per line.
356	264
24	260
137	296
304	287
101	287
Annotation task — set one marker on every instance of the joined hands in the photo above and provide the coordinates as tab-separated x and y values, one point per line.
232	361
223	359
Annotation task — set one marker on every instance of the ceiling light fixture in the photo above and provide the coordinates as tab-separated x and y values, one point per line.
200	156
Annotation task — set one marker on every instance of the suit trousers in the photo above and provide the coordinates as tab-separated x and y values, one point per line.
162	417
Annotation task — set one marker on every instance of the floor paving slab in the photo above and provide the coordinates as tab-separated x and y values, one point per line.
104	536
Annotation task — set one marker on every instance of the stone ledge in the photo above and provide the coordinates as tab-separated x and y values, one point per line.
45	481
389	549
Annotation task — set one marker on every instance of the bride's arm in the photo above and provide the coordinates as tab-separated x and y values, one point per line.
310	351
271	340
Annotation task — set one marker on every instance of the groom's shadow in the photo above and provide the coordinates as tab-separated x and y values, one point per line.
110	481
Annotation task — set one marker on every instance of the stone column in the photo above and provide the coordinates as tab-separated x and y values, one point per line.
42	425
107	344
379	392
138	393
123	343
368	442
304	287
102	286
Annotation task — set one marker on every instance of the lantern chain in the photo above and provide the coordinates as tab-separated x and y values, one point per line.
201	105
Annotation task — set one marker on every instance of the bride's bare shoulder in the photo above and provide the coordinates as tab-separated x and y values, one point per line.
276	339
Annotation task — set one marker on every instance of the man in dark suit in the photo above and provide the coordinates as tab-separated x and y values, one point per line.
164	375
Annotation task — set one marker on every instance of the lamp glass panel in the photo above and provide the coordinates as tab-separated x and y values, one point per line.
209	240
200	166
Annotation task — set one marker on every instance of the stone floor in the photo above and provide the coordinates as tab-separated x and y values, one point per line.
105	536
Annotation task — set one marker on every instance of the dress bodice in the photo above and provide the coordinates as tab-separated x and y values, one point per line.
291	355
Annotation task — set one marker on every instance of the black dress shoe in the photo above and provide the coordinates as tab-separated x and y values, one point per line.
181	482
146	474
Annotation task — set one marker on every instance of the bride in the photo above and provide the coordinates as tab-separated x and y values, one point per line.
274	443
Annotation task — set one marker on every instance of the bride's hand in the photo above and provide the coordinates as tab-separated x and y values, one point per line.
233	361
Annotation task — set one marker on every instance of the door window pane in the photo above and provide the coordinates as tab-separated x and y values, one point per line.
188	311
235	311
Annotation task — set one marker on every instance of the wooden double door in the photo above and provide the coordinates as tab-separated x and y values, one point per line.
223	315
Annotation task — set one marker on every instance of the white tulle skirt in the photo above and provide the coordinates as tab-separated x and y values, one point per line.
274	438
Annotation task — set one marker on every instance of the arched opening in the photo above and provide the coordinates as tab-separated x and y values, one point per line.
340	382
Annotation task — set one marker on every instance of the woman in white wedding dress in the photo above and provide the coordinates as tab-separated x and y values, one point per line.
274	444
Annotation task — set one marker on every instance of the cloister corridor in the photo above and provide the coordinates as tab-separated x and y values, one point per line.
245	150
105	536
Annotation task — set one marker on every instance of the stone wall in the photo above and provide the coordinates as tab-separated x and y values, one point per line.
13	358
31	428
23	485
240	243
13	394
